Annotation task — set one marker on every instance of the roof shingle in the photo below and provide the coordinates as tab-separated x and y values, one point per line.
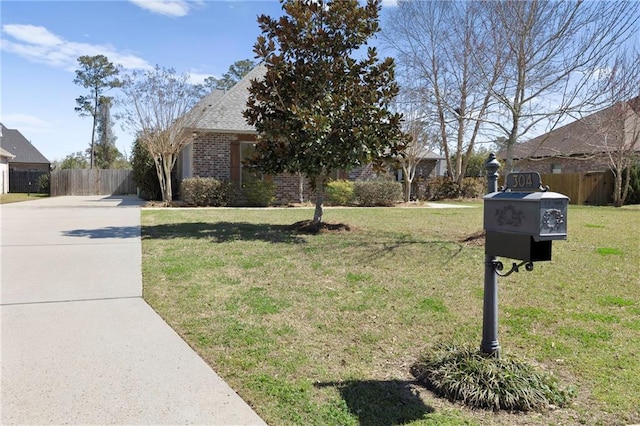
596	133
224	108
16	144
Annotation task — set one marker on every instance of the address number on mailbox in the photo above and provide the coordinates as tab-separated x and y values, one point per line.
524	181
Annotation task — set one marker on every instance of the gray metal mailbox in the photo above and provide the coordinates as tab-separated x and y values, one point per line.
522	224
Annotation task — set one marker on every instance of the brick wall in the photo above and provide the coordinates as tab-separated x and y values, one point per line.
212	158
362	173
212	155
567	164
288	189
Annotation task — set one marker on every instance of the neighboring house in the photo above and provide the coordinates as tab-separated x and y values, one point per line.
26	156
584	145
224	139
429	165
26	164
5	156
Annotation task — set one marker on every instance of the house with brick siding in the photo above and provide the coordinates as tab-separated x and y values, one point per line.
223	139
584	145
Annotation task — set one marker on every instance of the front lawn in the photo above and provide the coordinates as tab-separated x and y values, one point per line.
18	197
323	329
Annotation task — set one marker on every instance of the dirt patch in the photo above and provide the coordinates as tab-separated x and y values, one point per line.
475	239
313	228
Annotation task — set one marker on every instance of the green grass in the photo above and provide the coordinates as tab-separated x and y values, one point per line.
323	329
18	197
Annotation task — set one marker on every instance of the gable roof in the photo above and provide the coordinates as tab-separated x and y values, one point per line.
581	137
224	108
426	154
12	141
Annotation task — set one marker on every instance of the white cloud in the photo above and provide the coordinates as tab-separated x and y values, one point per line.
197	78
37	44
176	8
25	123
32	35
601	73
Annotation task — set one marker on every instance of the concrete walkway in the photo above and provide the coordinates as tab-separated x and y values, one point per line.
79	344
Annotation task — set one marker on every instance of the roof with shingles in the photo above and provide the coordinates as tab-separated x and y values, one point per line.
16	144
582	137
224	108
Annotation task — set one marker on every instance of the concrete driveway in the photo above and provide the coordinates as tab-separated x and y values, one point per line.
79	344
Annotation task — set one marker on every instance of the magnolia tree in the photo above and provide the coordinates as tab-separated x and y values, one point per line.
320	109
160	107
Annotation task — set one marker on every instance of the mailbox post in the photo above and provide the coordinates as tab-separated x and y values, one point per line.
490	344
520	221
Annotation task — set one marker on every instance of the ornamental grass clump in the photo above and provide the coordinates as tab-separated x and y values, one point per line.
466	375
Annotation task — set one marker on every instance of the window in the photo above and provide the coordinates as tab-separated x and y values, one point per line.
555	168
248	173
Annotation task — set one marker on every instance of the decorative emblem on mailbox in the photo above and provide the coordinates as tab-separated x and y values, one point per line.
553	220
509	216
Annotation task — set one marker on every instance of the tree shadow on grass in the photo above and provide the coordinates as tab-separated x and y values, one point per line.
447	250
221	232
382	402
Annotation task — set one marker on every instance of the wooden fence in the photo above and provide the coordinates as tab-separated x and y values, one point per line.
591	188
93	182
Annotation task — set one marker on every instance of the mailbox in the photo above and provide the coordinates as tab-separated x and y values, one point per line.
522	225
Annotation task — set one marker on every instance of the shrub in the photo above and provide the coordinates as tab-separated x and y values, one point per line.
377	193
260	193
466	375
340	193
442	188
144	172
205	192
42	183
473	187
633	197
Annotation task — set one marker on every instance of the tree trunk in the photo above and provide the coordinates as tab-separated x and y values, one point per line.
617	189
301	187
93	144
407	180
163	170
317	215
167	165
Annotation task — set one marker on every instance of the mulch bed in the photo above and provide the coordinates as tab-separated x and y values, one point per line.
313	228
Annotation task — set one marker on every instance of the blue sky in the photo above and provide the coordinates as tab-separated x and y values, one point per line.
41	41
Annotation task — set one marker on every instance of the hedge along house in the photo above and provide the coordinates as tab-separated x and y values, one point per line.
223	140
585	145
